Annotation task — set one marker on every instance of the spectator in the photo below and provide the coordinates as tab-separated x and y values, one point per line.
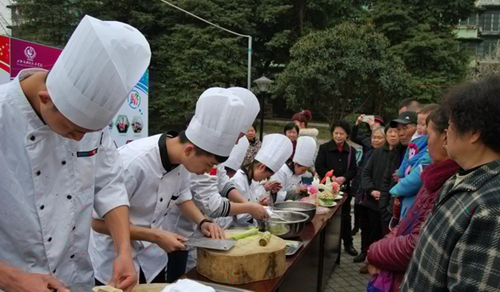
302	121
378	141
458	248
291	130
365	142
254	145
406	124
339	156
416	158
409	104
393	253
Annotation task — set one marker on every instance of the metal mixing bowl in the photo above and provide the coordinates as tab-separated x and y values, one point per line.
302	207
292	226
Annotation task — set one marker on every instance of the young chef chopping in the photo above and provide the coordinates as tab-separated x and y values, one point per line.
59	162
214	194
290	173
157	176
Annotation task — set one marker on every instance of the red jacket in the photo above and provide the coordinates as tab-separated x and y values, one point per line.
393	253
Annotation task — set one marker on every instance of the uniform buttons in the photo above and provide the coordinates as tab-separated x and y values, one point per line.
165	214
74	227
32	138
154	221
72	256
161	199
63	162
38	172
178	173
54	271
50	239
69	197
42	207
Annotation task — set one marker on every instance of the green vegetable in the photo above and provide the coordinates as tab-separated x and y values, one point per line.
265	238
247	233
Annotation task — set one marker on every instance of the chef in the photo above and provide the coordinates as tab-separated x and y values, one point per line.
59	163
157	177
275	150
289	174
235	160
214	194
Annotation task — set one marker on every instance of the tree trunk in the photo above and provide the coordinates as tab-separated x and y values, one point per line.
301	16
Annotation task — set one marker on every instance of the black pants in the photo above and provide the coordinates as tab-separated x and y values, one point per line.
346	222
385	220
160	278
357	215
176	267
371	227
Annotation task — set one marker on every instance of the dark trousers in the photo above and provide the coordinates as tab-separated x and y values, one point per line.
385	220
346	222
176	266
371	227
160	278
357	215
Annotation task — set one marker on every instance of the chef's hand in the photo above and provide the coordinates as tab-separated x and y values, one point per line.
124	274
258	212
212	230
268	186
169	241
264	201
276	189
14	279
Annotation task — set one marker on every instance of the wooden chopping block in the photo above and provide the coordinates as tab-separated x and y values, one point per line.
246	262
137	288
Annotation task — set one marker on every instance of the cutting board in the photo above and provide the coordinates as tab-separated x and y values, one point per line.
144	288
246	262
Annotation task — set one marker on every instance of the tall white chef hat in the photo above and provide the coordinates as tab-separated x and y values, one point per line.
238	153
216	124
97	69
304	152
251	103
275	150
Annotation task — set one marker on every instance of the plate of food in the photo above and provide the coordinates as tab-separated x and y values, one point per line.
338	197
326	200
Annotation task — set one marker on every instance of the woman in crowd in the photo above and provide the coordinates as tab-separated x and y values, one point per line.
291	130
338	156
365	141
389	257
371	180
254	145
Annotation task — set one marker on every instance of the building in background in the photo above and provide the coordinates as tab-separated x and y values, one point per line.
5	17
480	33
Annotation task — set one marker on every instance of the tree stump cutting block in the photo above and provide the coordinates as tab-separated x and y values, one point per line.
246	262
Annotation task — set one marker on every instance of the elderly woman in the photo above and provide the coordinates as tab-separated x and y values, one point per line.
254	145
393	253
459	248
340	157
371	181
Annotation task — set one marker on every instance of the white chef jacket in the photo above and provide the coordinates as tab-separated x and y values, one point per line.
49	187
153	185
289	181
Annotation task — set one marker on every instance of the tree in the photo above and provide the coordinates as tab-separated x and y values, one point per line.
342	70
485	66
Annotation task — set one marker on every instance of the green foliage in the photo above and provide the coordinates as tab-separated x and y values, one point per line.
342	70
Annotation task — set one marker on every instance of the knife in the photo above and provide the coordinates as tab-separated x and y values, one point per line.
218	244
80	288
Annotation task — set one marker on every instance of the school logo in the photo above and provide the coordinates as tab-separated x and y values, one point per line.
134	99
30	53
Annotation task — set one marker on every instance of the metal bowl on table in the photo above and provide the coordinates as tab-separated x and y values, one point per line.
302	207
291	226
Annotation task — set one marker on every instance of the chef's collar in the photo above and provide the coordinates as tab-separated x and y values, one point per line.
291	165
162	146
245	171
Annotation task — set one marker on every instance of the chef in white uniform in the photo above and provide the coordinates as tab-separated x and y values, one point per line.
290	173
235	160
213	192
59	163
275	150
157	177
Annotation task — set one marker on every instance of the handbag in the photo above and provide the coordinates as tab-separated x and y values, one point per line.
381	282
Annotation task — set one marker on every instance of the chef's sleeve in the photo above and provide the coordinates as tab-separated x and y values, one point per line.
109	189
206	196
224	184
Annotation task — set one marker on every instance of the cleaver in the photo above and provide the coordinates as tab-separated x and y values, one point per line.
218	244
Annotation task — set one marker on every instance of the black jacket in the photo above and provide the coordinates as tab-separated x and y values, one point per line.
394	161
372	176
329	157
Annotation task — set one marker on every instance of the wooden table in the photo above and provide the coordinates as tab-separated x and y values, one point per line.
311	266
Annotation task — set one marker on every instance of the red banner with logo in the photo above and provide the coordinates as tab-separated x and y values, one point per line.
4	59
26	55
